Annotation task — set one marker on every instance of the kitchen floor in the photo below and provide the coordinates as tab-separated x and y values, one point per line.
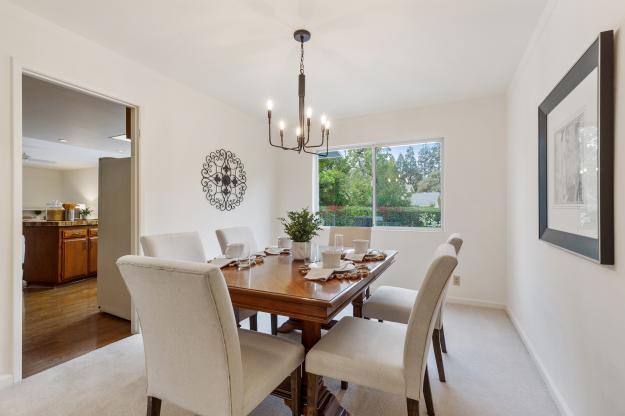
64	322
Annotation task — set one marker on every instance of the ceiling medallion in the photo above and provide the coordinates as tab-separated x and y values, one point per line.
223	180
302	131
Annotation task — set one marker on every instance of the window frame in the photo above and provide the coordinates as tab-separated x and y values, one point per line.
374	146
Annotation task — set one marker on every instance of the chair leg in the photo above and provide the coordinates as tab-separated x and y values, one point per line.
311	394
154	406
427	393
344	385
436	344
443	343
296	383
254	322
380	320
274	324
413	407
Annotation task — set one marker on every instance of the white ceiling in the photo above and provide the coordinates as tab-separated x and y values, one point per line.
364	56
51	113
53	155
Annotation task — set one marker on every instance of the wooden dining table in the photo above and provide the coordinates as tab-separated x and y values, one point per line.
277	286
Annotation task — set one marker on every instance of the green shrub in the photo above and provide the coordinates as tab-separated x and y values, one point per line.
428	217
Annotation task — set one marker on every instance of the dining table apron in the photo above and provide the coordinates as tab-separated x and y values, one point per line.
278	286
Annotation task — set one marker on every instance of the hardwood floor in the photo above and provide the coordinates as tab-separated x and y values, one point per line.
62	323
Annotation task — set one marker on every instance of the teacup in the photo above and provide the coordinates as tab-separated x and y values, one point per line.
331	259
234	250
361	246
284	242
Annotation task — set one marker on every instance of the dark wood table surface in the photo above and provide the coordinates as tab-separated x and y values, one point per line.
277	286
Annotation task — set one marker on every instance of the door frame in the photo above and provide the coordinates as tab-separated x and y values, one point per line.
18	70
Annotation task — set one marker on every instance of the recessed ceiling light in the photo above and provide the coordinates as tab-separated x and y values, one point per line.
63	140
120	151
120	137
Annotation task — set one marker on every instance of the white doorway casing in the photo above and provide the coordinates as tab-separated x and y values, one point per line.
18	70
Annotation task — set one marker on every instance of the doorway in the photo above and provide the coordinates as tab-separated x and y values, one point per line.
78	212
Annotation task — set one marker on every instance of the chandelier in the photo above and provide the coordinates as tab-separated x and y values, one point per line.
302	132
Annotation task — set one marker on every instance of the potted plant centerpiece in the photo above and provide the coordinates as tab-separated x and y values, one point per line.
301	226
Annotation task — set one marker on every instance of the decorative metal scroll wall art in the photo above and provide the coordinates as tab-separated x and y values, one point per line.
223	180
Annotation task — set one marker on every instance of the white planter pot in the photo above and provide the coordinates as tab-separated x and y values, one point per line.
300	251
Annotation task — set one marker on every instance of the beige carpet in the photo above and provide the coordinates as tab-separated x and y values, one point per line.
489	372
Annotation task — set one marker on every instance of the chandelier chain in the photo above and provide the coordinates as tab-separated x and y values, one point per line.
301	61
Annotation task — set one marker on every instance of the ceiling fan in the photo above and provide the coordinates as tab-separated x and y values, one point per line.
27	157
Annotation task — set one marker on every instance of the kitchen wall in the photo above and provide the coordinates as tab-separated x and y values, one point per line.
41	185
570	311
179	126
474	193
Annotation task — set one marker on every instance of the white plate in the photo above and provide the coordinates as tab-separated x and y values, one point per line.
346	266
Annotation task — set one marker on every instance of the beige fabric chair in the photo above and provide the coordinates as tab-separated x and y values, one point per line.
350	234
389	303
387	356
187	247
243	235
195	356
231	235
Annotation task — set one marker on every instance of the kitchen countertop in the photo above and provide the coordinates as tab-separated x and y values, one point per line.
40	223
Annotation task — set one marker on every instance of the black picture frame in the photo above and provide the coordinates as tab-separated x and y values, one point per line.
600	55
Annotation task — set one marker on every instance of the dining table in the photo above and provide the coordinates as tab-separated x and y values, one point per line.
278	286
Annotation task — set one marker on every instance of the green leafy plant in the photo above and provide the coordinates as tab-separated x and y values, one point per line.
85	212
301	226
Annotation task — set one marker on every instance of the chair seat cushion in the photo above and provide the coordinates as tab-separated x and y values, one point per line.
364	352
267	361
390	303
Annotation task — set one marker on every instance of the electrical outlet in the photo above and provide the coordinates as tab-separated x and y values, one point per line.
456	280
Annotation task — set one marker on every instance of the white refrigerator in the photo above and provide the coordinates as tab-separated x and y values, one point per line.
114	234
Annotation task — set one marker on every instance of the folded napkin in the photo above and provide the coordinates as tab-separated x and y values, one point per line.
355	256
319	274
222	262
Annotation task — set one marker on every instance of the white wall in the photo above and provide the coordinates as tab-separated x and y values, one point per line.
474	190
178	127
81	186
41	186
570	310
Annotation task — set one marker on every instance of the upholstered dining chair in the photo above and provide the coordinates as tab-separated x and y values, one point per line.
243	235
386	356
349	234
195	356
187	246
389	303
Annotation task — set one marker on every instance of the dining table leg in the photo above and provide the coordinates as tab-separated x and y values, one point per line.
326	403
357	305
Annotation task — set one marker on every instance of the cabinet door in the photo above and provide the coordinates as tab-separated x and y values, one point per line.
93	255
75	258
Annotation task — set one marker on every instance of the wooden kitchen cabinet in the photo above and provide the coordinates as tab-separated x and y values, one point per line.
60	251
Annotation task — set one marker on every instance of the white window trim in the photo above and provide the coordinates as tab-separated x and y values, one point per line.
374	146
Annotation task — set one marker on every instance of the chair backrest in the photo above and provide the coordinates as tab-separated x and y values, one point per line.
231	235
178	246
455	240
423	318
192	350
350	234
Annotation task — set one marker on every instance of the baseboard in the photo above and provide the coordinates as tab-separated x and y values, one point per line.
475	302
6	380
555	393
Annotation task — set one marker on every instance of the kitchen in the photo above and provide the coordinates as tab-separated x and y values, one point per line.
76	204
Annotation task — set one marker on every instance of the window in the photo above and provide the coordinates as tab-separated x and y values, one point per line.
407	191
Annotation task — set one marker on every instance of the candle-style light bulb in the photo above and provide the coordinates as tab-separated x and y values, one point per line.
308	112
298	131
282	125
269	105
323	119
328	124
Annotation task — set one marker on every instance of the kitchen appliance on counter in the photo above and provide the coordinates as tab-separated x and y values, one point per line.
70	211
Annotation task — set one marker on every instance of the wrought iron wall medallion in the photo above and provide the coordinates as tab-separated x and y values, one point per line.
223	180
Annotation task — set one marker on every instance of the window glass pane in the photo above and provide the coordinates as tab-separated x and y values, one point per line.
408	185
345	187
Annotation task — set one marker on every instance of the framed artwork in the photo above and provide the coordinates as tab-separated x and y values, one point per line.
576	157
